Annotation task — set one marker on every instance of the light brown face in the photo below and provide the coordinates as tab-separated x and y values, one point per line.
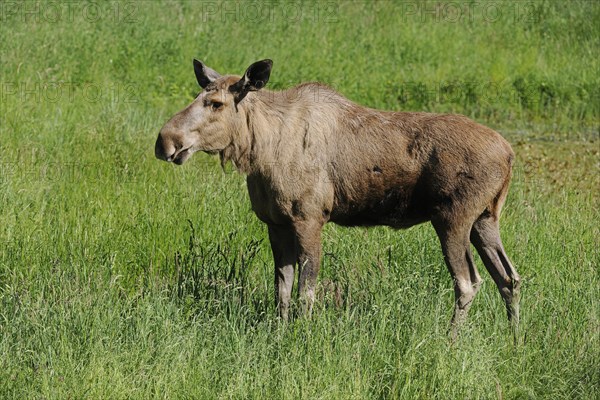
211	122
205	125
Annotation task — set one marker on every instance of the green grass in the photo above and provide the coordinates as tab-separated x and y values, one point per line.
124	277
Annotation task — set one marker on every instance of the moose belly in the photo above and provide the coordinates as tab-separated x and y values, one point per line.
396	207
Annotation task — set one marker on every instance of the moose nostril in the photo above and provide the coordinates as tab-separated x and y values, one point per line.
162	151
168	155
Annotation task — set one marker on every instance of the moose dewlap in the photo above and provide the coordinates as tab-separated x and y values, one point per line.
312	156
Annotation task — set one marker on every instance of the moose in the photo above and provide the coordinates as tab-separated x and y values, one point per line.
312	156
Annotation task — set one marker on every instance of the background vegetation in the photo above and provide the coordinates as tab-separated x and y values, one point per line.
125	277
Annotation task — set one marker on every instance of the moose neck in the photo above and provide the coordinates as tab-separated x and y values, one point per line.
256	145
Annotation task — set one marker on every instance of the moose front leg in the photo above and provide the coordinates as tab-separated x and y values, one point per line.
308	236
283	245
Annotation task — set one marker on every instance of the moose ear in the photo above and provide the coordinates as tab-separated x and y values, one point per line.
204	75
256	77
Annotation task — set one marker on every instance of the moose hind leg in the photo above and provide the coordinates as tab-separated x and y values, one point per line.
485	236
454	239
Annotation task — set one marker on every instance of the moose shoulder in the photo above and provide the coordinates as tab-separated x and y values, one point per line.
312	156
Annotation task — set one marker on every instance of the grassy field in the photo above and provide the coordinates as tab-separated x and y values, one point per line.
124	277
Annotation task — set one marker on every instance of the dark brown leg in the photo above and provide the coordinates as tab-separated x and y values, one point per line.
454	238
308	236
485	236
283	245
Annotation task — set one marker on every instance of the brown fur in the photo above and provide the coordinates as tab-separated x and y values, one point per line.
312	156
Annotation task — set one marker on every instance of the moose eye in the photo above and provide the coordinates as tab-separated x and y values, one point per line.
215	105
